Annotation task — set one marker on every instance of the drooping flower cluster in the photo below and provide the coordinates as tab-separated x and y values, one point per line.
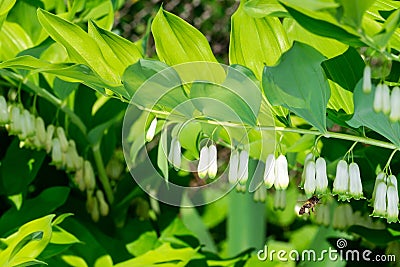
239	169
385	198
347	183
314	177
342	217
33	134
208	162
387	102
276	172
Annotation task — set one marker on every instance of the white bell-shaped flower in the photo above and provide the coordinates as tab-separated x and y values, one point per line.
4	116
40	131
381	177
243	169
63	139
380	200
367	79
321	177
395	105
392	180
88	176
356	189
309	157
103	206
174	156
378	98
386	99
341	182
56	154
392	204
151	130
16	120
28	125
281	173
213	162
269	173
203	165
49	137
310	182
233	167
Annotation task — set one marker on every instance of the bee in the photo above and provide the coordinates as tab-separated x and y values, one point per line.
309	204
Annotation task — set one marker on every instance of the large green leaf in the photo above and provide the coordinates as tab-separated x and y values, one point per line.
26	244
299	84
117	51
327	46
80	46
262	8
255	42
16	180
346	69
178	42
13	39
5	7
364	115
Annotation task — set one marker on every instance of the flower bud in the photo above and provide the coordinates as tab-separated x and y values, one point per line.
381	177
395	105
95	214
62	138
392	204
310	183
243	170
16	121
386	99
103	206
56	154
77	162
174	155
233	167
341	182
78	179
367	79
213	163
40	131
88	176
280	199
4	116
203	162
151	130
269	173
321	177
281	173
49	137
356	190
378	98
260	194
380	200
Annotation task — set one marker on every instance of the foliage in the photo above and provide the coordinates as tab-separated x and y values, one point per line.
295	86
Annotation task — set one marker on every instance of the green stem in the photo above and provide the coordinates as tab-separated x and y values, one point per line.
102	173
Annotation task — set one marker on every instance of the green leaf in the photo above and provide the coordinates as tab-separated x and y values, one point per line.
13	39
5	7
104	261
62	237
327	46
340	99
321	22
63	89
353	11
262	8
118	52
16	180
364	115
146	242
389	28
74	261
346	69
299	84
178	42
28	242
80	46
163	256
59	219
255	42
43	204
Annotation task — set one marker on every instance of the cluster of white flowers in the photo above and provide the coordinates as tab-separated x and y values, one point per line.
342	217
239	169
208	162
384	100
314	177
96	205
347	183
385	198
276	172
33	134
